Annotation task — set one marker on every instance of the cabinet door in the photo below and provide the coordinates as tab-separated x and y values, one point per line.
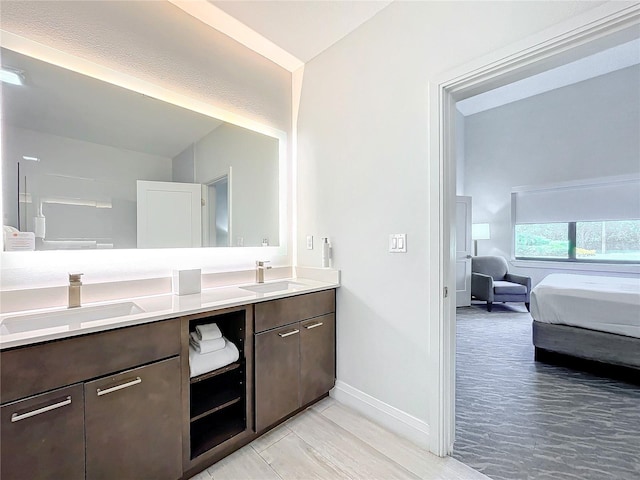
42	437
317	357
133	423
277	362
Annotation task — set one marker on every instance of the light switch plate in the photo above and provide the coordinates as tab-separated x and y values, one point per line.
398	243
309	242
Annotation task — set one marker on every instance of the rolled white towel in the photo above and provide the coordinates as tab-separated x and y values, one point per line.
206	346
207	362
210	331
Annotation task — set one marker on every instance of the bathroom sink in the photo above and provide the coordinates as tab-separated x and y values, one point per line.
72	317
273	287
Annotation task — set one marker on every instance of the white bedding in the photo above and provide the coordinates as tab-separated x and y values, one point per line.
607	304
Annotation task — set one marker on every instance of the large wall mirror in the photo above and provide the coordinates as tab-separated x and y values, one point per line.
90	165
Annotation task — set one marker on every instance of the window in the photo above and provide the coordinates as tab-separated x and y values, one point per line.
542	240
596	220
607	241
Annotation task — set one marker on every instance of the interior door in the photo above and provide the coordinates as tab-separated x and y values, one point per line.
463	251
169	214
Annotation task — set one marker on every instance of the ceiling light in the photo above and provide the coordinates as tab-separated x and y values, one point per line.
12	76
30	159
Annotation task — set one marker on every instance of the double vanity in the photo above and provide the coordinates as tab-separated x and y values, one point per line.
104	391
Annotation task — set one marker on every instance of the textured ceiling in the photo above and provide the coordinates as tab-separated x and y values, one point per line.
303	28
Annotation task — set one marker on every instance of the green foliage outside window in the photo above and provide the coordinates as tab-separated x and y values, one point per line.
547	240
604	241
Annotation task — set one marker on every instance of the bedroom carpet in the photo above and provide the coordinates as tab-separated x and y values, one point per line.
521	419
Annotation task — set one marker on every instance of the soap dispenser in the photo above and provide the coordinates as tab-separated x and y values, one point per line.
326	252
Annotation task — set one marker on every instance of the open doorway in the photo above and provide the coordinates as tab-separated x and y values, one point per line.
217	214
516	417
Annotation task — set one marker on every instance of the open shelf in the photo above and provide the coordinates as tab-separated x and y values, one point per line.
205	406
218	399
212	430
214	373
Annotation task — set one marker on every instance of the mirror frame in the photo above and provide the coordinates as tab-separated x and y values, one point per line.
56	57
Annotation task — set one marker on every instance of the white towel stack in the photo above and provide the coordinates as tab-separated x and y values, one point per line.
206	346
210	331
209	350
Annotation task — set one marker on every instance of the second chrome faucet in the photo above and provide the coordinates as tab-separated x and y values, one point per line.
260	268
75	286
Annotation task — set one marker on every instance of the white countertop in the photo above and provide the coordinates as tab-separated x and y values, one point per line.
156	307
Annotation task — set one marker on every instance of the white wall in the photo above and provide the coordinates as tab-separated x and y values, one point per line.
363	174
79	172
183	166
253	158
158	43
581	131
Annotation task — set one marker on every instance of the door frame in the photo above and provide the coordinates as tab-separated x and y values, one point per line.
574	38
206	217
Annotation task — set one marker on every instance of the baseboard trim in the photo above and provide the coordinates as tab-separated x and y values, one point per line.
396	420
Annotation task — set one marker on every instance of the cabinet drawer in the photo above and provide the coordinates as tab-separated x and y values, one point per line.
292	309
43	436
26	371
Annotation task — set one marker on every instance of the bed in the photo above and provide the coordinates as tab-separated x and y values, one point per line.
591	317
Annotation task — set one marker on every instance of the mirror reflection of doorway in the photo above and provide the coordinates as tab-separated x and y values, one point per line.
219	212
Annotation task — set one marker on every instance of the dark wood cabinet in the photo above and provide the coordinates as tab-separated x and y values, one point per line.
42	437
317	357
277	371
133	423
125	425
39	368
294	362
121	403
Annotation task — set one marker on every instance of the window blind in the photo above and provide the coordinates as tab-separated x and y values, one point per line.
597	200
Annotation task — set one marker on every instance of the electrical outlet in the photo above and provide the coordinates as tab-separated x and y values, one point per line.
309	242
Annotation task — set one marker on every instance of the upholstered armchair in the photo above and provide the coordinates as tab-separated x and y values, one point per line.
492	282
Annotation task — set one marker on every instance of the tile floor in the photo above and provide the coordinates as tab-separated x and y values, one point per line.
330	441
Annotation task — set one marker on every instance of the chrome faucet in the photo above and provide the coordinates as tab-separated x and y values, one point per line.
260	268
75	286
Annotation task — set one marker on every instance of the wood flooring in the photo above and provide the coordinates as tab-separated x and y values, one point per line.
330	441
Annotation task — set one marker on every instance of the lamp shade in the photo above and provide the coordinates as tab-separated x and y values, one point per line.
480	231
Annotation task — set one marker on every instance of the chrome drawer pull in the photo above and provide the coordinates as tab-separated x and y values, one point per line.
292	332
317	324
16	418
131	383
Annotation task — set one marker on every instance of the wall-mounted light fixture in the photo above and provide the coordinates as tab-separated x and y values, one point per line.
12	76
479	231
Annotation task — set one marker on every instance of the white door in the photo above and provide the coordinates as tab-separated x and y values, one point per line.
463	251
169	214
